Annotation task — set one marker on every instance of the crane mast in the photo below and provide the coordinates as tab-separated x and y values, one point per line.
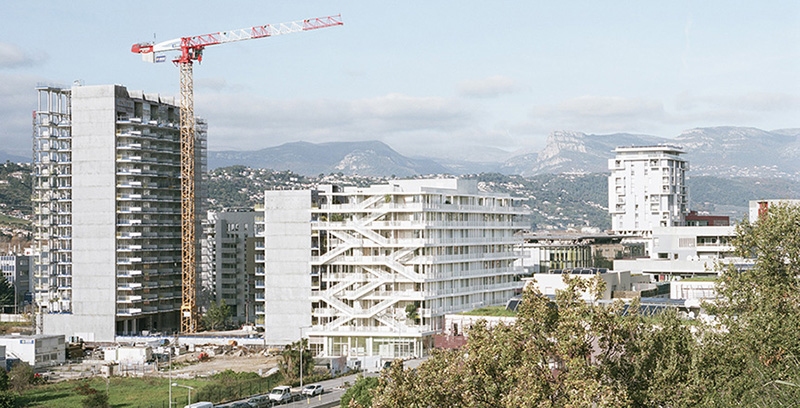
191	49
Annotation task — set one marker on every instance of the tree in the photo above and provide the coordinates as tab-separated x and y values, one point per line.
6	292
7	400
92	397
570	353
217	315
3	380
412	312
360	394
21	376
573	353
289	365
752	353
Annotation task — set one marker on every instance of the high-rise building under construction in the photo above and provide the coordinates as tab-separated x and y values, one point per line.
107	205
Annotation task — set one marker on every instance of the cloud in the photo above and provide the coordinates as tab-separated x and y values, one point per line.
490	87
752	102
12	56
17	101
608	107
246	121
599	113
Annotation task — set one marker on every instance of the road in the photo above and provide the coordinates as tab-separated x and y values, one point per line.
335	388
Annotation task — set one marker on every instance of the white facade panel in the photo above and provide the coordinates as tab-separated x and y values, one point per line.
287	281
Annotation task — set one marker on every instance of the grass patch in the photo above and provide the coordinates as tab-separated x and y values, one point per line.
150	392
491	311
14	221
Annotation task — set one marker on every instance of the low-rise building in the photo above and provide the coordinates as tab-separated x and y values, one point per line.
543	251
685	252
615	281
40	350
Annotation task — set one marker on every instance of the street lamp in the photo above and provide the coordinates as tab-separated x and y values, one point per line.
301	354
188	388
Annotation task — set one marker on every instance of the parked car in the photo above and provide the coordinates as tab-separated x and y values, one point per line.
259	401
312	390
281	394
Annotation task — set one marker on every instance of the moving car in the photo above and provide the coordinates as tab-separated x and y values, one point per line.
312	390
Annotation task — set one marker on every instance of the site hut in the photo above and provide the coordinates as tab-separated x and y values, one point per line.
37	350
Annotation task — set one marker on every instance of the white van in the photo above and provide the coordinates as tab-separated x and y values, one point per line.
281	394
201	404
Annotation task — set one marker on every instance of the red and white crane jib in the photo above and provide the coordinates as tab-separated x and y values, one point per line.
191	48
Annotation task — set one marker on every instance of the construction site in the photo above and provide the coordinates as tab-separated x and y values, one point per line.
127	203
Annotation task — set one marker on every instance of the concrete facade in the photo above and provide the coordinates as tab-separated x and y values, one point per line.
647	189
107	231
373	271
228	263
16	269
286	265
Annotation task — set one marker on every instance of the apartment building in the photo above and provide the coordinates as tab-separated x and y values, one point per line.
229	263
372	271
647	189
16	270
107	223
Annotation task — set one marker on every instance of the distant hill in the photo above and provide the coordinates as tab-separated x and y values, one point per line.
575	152
734	152
13	158
557	201
726	151
363	158
719	151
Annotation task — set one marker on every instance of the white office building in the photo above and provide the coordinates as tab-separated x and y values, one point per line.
372	271
685	252
107	211
647	189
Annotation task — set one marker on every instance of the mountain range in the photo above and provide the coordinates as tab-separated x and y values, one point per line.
726	152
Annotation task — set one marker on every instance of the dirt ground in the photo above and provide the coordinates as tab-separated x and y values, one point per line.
240	362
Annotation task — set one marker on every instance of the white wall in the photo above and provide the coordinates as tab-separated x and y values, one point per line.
549	283
287	268
94	211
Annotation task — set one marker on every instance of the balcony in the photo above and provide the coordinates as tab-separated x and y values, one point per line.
129	273
129	299
130	287
129	311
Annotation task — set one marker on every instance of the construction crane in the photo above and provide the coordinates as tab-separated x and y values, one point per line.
191	49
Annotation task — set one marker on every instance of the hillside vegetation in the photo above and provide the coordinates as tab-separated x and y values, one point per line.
557	201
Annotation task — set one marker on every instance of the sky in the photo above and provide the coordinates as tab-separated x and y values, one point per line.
465	79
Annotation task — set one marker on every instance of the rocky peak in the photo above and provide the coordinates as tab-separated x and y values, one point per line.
561	141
